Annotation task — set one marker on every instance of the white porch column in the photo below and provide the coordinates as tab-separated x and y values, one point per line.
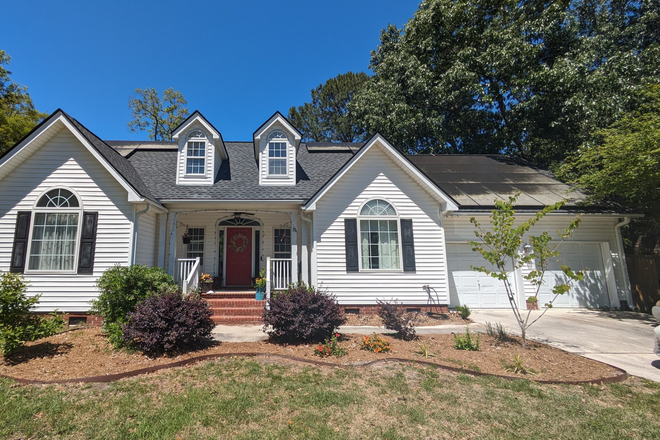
162	240
313	276
294	247
304	254
171	266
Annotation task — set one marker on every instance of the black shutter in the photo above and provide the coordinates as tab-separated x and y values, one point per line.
21	232
408	245
350	233
87	242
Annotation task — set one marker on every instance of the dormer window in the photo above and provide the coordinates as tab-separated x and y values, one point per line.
277	154
196	153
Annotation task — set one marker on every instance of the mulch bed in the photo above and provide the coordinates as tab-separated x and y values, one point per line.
419	319
86	352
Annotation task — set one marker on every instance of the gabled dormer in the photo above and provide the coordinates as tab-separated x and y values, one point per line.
201	150
275	145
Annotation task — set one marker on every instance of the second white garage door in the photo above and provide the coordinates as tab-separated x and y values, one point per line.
592	291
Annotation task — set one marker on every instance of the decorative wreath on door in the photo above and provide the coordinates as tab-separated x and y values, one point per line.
235	247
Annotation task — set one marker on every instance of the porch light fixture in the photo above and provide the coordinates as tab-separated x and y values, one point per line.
527	249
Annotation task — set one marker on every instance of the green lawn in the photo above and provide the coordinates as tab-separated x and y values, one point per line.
239	398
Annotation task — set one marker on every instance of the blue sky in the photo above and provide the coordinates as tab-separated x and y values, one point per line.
236	62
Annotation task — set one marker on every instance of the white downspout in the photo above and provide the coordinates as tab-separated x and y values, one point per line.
622	259
136	223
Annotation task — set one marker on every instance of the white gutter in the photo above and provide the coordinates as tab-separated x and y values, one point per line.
136	222
263	201
622	258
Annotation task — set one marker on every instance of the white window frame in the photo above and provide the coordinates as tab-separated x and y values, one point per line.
395	217
55	210
196	136
278	137
275	237
203	242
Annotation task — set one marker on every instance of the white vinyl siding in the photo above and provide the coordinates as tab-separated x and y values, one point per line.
65	162
376	176
284	166
197	163
147	237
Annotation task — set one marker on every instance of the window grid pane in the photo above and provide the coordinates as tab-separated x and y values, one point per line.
277	150
196	245
282	243
379	240
196	154
53	244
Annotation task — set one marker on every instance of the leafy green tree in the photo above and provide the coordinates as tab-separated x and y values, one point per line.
500	245
327	118
622	165
17	113
159	116
531	78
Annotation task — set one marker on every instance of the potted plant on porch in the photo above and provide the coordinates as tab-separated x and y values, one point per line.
206	282
260	284
185	237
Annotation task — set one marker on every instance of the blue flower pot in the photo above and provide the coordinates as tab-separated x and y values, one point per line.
259	295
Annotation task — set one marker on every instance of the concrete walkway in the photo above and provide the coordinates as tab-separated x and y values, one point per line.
622	339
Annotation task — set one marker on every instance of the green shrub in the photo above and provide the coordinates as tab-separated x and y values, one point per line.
466	341
17	323
302	314
122	288
464	311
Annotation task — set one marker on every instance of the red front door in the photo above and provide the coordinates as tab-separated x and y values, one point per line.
239	257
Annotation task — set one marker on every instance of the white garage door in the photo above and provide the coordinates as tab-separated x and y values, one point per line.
471	288
592	291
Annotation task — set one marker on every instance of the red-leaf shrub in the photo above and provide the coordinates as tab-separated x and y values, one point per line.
395	319
302	314
169	321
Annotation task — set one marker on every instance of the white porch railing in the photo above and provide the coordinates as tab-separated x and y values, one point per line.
187	274
278	274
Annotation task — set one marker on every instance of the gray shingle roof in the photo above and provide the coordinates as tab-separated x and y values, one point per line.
475	181
116	160
238	178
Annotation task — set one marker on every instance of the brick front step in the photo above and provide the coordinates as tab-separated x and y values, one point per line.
235	302
235	307
226	320
238	311
228	294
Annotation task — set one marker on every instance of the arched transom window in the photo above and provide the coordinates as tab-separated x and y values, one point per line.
53	242
379	236
277	149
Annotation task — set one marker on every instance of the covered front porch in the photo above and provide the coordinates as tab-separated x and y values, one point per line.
234	244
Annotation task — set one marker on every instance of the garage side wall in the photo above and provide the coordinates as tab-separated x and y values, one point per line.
65	162
373	176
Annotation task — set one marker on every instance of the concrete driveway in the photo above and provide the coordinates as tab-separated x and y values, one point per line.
622	339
